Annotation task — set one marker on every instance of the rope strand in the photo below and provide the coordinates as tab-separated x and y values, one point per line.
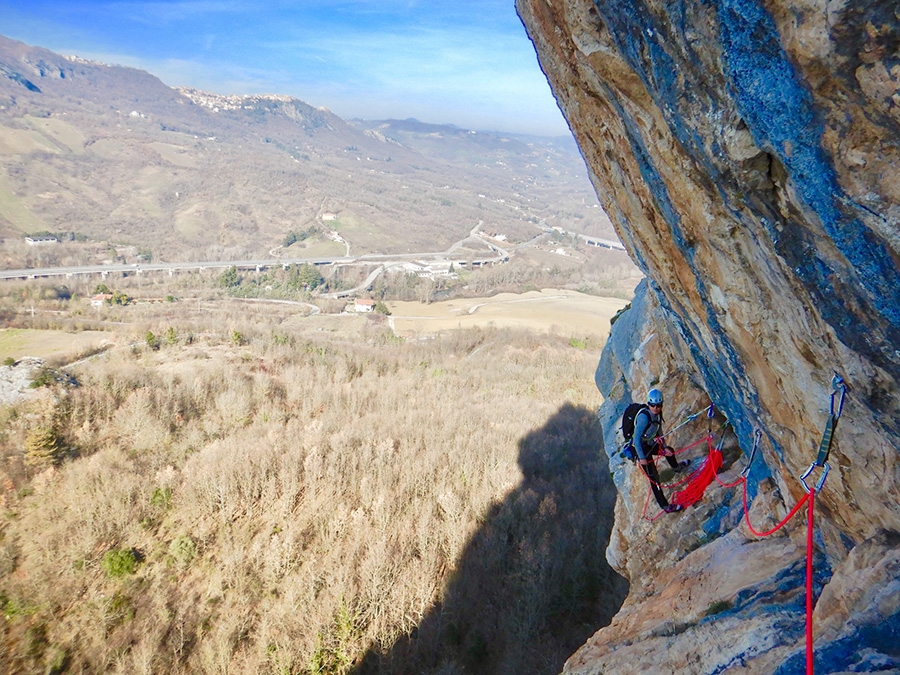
810	660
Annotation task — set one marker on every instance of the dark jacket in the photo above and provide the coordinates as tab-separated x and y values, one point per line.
646	430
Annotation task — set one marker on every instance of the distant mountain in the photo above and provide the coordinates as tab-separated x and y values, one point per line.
456	144
116	157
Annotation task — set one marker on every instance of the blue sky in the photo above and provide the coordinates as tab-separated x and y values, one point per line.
463	62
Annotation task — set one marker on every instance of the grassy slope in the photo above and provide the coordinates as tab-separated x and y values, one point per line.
303	506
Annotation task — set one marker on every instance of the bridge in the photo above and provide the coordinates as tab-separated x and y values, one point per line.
602	243
249	265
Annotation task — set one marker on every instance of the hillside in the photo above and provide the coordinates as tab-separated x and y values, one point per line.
304	497
110	157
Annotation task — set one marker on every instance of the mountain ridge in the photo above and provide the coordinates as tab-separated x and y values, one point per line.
117	156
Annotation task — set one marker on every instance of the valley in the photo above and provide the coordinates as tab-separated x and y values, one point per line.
122	169
285	393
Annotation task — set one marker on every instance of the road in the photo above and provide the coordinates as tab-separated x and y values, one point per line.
386	260
258	265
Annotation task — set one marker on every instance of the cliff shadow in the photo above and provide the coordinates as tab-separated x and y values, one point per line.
532	584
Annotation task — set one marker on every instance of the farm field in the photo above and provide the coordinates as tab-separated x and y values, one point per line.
19	342
551	311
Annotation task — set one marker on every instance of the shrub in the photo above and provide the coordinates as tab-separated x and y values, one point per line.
183	550
57	661
43	447
305	276
334	649
118	609
578	343
152	340
9	361
718	607
44	378
119	562
162	498
229	278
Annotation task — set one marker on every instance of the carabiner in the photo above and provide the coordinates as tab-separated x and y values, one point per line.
756	438
838	385
812	467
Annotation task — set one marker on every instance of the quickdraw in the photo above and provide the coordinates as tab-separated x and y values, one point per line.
838	387
756	439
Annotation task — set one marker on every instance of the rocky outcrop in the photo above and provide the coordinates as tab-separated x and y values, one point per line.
745	152
16	379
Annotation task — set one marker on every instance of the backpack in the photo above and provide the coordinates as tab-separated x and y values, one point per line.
628	451
628	419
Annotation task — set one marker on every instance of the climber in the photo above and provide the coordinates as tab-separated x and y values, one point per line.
648	441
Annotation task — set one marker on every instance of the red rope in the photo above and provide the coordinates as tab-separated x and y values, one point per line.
700	479
809	498
730	485
810	662
693	491
779	525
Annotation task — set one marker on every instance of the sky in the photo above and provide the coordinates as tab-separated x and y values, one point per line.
463	62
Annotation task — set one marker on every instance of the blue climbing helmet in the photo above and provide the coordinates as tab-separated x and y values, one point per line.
654	397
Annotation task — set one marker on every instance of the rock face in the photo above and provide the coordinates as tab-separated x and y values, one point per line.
747	154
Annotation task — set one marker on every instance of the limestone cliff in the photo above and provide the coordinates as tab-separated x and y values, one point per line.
747	153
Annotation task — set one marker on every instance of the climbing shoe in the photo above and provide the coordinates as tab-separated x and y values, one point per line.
682	465
673	508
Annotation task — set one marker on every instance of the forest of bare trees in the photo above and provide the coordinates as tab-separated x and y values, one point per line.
238	497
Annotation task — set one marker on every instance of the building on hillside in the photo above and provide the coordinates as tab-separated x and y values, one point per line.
363	305
412	267
428	270
100	299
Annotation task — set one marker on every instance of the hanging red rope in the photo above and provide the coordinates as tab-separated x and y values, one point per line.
810	661
696	482
700	479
